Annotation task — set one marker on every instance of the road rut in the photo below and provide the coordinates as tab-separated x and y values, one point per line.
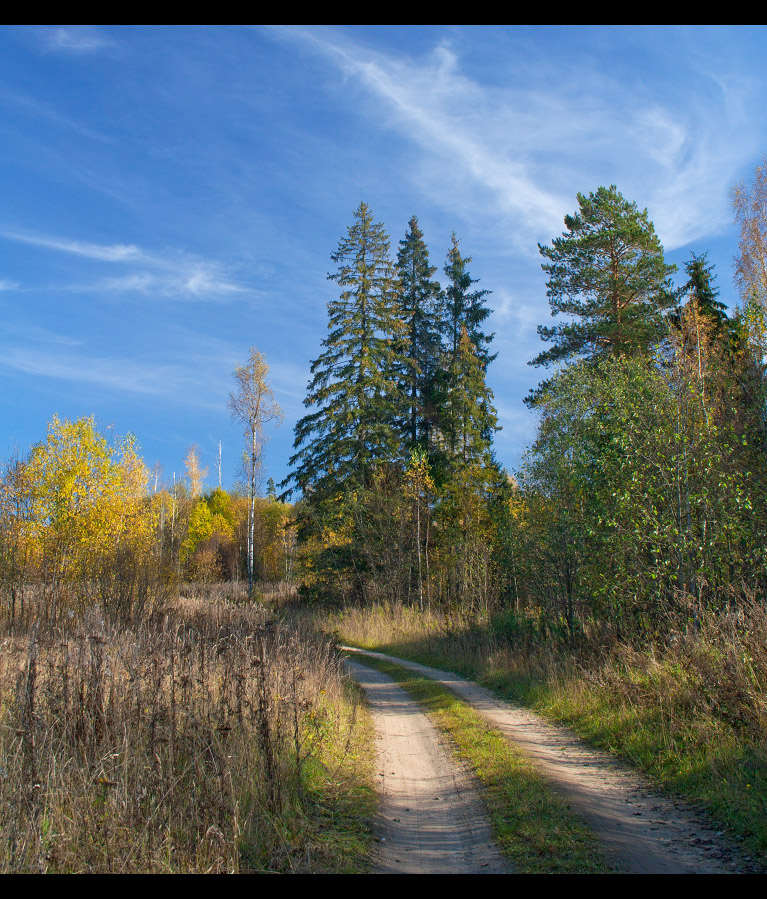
430	818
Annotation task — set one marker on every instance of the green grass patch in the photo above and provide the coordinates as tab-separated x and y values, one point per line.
534	825
341	787
327	826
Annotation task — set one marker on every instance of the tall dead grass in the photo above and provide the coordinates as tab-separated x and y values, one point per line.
710	662
203	741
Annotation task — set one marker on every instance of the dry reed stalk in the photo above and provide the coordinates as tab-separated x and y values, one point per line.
164	746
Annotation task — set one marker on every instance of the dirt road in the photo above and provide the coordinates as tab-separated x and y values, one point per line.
642	830
430	820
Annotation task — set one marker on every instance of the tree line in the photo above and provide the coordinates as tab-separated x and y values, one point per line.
84	525
643	495
394	461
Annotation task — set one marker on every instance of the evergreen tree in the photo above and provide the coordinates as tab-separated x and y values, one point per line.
471	407
464	307
726	360
467	419
419	298
700	285
362	458
701	290
354	386
703	336
608	272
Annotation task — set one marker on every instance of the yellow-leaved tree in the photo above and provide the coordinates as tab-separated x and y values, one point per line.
750	206
88	525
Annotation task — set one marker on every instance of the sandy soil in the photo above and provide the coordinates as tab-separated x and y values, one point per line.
642	831
430	819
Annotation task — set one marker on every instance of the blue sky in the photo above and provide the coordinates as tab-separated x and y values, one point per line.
171	196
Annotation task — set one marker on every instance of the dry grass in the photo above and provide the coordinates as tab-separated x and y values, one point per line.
214	739
274	594
716	666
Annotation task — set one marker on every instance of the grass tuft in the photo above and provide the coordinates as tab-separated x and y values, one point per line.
213	739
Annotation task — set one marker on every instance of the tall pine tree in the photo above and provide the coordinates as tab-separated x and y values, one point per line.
607	272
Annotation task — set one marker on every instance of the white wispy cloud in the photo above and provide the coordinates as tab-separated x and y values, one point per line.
522	148
197	282
436	105
75	39
28	331
289	380
113	253
5	284
173	274
176	381
19	101
110	373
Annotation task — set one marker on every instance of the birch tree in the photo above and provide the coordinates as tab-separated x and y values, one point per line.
750	205
254	406
195	474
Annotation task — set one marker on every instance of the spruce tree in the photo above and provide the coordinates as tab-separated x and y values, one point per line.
703	319
464	307
735	379
472	408
462	380
354	386
419	299
700	287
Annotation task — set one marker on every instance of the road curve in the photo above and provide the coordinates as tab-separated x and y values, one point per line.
430	819
643	832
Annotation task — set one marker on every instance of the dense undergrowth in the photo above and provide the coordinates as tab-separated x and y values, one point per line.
690	710
215	738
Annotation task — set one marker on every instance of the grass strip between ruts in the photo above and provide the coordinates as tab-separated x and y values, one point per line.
533	824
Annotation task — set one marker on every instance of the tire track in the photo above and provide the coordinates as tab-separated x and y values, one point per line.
430	819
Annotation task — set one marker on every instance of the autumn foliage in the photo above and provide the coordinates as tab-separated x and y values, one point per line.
77	526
